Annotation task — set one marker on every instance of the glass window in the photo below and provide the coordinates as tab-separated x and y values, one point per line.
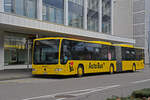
59	16
44	12
15	50
106	16
132	53
31	8
46	52
75	17
66	53
93	51
139	54
76	50
125	54
112	52
72	50
104	52
21	7
53	11
8	6
128	53
92	15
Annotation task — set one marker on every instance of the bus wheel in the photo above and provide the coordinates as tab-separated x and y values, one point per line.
80	71
134	68
111	69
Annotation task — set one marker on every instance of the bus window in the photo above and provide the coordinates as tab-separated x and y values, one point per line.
132	53
112	52
128	53
46	52
139	54
125	53
93	51
104	52
65	51
78	50
97	53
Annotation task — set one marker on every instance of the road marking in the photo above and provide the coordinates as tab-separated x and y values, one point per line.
86	91
61	99
96	90
141	81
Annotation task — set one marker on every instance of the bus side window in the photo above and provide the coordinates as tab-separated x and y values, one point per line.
66	51
132	53
92	51
139	54
112	52
127	55
77	50
97	53
104	52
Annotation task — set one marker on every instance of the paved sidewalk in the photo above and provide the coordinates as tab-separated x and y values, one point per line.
15	74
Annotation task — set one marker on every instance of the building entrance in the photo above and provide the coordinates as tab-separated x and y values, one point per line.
18	50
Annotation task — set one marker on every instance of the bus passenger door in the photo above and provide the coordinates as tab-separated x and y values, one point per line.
118	59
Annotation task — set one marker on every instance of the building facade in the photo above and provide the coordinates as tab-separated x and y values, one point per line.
147	30
141	25
21	21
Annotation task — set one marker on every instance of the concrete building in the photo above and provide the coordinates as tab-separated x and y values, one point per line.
141	25
23	20
147	30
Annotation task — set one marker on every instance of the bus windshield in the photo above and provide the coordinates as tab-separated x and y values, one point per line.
46	51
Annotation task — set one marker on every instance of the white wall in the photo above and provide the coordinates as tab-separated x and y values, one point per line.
1	51
123	18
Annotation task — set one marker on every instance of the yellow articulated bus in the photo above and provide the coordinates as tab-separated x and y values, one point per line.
67	56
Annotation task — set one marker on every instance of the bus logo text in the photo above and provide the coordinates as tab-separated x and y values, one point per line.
95	66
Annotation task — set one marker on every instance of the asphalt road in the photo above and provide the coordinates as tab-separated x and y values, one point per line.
91	87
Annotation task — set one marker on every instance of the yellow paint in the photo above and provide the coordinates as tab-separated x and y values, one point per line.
101	42
124	45
128	65
88	65
98	42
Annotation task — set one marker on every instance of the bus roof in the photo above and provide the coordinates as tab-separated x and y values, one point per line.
98	42
124	45
101	42
46	38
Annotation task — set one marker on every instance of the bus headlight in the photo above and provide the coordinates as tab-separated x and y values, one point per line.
58	69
